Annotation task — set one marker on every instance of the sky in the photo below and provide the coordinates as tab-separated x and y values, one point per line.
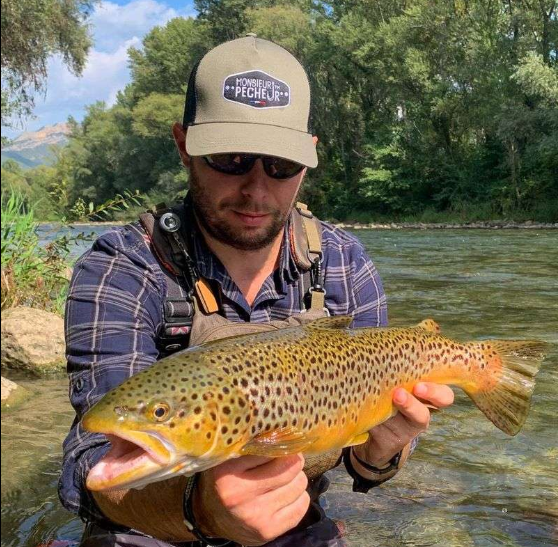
115	25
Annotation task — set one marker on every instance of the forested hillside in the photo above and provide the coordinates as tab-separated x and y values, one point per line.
423	109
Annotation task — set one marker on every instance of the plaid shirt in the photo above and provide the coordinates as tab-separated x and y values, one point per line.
114	313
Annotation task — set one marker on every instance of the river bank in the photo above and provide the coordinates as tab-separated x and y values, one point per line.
482	225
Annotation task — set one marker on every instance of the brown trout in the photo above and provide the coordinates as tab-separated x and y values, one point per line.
306	389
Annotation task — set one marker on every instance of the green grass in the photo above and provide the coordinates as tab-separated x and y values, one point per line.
32	275
38	276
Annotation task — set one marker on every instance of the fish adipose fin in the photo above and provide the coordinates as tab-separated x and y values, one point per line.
337	322
429	325
506	380
277	443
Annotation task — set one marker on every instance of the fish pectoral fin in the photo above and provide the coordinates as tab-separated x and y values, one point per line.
359	439
280	442
429	325
337	322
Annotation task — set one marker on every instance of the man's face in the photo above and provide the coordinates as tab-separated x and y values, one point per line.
247	211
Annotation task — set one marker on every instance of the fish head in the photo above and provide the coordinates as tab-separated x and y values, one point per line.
161	426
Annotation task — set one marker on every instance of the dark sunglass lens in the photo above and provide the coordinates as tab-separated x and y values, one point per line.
280	168
232	164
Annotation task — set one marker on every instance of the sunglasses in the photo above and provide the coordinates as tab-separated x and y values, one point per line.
240	164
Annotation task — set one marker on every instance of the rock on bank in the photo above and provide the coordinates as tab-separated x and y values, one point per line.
12	394
32	340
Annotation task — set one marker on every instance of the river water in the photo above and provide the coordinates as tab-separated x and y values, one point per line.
467	484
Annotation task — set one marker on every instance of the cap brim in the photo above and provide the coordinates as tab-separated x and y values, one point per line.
220	138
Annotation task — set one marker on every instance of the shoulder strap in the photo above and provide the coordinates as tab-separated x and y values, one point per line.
306	247
305	237
167	235
161	244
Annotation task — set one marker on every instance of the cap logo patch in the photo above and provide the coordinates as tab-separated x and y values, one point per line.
256	89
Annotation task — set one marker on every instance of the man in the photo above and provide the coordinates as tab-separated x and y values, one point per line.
246	142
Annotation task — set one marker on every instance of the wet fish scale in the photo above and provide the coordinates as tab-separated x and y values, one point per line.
304	389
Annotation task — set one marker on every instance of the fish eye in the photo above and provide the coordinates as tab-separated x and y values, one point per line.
160	412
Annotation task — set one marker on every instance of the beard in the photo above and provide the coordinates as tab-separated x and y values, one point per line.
210	216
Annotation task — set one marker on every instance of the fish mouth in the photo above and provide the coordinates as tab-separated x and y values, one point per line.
129	465
132	458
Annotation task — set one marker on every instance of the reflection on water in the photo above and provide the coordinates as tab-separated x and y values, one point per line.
467	484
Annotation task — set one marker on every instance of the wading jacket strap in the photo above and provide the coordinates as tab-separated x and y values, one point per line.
191	307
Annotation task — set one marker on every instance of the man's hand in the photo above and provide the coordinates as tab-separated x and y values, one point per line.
413	418
252	499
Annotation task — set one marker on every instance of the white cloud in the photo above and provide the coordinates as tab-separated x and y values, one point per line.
104	74
114	24
115	28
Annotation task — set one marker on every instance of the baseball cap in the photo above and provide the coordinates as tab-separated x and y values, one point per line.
249	95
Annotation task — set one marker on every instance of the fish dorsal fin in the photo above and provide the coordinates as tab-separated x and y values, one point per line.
429	325
279	442
337	322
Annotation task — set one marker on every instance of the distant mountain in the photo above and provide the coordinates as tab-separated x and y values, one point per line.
32	148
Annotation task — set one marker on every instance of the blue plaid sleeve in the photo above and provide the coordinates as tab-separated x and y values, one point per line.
113	312
353	285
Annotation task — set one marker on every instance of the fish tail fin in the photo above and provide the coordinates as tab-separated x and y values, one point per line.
505	379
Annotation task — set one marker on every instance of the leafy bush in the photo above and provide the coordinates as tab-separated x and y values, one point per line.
32	275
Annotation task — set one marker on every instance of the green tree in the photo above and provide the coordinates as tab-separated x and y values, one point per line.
224	19
121	148
13	179
32	187
167	55
422	107
32	31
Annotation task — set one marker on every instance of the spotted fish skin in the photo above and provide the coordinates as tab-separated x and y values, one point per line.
304	389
